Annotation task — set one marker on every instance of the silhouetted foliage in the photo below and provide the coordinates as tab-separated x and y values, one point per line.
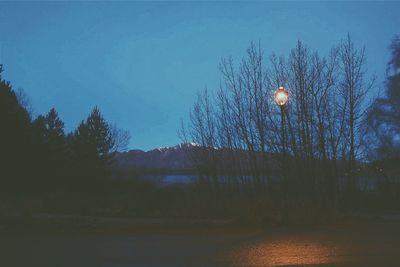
38	157
51	151
91	145
384	116
14	140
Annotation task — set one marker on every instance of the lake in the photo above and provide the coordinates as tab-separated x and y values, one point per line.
171	179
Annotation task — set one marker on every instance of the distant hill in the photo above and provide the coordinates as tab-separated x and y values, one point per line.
163	158
178	159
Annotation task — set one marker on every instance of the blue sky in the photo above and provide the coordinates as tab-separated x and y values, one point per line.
141	63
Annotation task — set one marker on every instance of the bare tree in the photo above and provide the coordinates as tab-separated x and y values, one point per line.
24	100
321	123
354	89
120	137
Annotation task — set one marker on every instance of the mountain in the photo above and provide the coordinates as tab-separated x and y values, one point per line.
164	158
179	159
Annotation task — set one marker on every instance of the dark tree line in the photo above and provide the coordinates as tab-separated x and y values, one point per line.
37	155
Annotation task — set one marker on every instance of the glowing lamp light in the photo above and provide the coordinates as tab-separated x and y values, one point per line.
281	96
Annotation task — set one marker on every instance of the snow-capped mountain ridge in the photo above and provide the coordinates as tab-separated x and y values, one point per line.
179	146
172	158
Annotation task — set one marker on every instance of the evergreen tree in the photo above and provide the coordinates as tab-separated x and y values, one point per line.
92	144
14	140
50	150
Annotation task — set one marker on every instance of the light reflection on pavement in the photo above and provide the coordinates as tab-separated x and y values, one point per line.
347	245
283	252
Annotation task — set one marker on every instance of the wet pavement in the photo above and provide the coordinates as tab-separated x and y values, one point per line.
376	244
356	244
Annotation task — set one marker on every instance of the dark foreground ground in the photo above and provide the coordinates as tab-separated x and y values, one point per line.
153	243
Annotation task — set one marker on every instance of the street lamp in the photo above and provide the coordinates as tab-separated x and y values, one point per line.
281	97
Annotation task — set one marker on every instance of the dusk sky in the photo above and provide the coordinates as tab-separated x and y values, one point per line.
141	63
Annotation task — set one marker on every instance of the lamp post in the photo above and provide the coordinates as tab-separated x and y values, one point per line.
281	97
